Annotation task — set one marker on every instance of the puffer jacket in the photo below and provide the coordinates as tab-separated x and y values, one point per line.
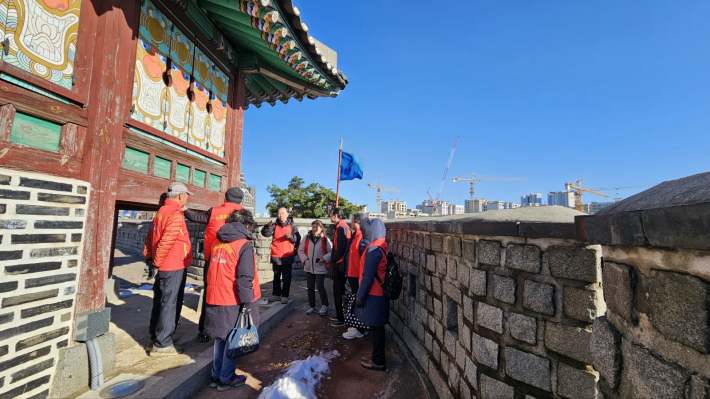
168	244
315	251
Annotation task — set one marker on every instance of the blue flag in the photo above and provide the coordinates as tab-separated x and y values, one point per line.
350	168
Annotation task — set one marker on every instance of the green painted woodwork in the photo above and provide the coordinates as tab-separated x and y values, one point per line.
31	87
198	179
161	167
136	160
177	147
182	173
215	183
35	132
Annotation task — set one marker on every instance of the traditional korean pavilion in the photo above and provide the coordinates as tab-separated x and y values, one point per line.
102	104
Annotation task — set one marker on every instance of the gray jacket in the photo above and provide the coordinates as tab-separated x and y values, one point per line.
315	252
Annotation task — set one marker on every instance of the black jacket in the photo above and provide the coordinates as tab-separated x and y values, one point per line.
340	249
267	231
202	217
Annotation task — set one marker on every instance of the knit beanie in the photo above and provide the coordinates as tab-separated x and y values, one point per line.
234	195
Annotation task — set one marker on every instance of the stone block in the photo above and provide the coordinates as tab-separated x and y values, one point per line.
27	298
65	199
72	370
576	263
585	305
523	257
460	356
539	297
468	308
464	272
465	336
523	328
441	265
680	308
27	357
489	253
469	250
569	341
37	238
619	284
485	351
438	309
605	345
528	368
470	374
464	390
504	289
490	317
436	285
450	343
478	284
41	210
573	383
6	318
431	263
435	351
32	370
437	380
699	388
27	387
9	286
45	185
645	375
10	255
49	280
494	389
52	307
452	292
32	268
454	376
452	270
437	243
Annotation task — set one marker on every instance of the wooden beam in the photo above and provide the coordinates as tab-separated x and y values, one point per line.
234	140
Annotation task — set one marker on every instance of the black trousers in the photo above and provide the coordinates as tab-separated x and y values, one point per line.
168	293
285	272
201	323
339	279
378	345
313	280
354	283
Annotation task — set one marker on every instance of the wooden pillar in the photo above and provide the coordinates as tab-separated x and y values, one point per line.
109	102
234	140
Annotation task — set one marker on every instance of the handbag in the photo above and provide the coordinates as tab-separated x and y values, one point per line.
244	338
350	318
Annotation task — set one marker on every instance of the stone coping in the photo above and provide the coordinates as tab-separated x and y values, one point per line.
529	222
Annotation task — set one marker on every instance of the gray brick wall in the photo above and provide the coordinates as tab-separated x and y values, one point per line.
499	316
41	232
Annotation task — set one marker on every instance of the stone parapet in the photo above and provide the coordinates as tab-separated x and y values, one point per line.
498	307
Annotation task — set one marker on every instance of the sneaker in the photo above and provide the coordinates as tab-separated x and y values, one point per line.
333	318
202	337
214	382
284	300
367	364
323	311
167	351
352	333
311	310
274	298
366	358
234	382
337	324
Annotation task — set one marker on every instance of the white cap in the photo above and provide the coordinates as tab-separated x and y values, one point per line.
179	188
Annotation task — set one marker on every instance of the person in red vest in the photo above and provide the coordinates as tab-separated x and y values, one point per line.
341	238
373	308
353	269
314	253
233	284
167	247
283	252
214	218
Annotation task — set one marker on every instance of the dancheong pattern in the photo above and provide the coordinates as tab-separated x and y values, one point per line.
42	37
177	88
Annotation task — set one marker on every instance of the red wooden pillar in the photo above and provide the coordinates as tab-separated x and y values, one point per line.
234	140
108	106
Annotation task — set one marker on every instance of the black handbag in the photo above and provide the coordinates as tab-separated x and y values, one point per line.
350	318
244	338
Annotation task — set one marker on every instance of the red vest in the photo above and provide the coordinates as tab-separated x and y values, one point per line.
376	288
282	247
322	244
180	255
218	219
222	274
340	224
354	269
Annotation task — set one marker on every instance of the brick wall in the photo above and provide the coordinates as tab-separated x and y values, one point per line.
41	231
501	315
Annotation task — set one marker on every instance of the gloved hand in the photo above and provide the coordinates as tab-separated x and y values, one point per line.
149	271
287	235
359	303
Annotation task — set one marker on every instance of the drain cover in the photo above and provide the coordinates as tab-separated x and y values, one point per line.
121	389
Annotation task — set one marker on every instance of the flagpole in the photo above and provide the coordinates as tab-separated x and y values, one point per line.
340	161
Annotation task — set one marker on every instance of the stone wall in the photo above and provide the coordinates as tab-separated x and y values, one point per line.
41	233
499	309
654	341
131	233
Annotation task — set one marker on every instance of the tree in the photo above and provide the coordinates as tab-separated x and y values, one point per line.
311	201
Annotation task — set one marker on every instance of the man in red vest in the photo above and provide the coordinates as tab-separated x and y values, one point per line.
214	218
283	252
341	239
167	247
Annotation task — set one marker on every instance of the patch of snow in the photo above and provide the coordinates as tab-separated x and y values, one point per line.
301	378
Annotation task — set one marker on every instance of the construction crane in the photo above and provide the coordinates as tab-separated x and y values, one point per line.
474	180
578	204
435	201
379	192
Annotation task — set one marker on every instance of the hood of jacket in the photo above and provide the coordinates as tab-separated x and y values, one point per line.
234	231
372	229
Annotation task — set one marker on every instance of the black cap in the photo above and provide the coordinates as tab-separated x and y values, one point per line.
234	195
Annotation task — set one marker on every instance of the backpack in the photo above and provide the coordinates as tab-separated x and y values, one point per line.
392	286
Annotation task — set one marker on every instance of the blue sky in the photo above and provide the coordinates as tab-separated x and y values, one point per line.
616	93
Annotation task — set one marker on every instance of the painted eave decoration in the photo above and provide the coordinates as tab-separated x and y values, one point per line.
279	58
